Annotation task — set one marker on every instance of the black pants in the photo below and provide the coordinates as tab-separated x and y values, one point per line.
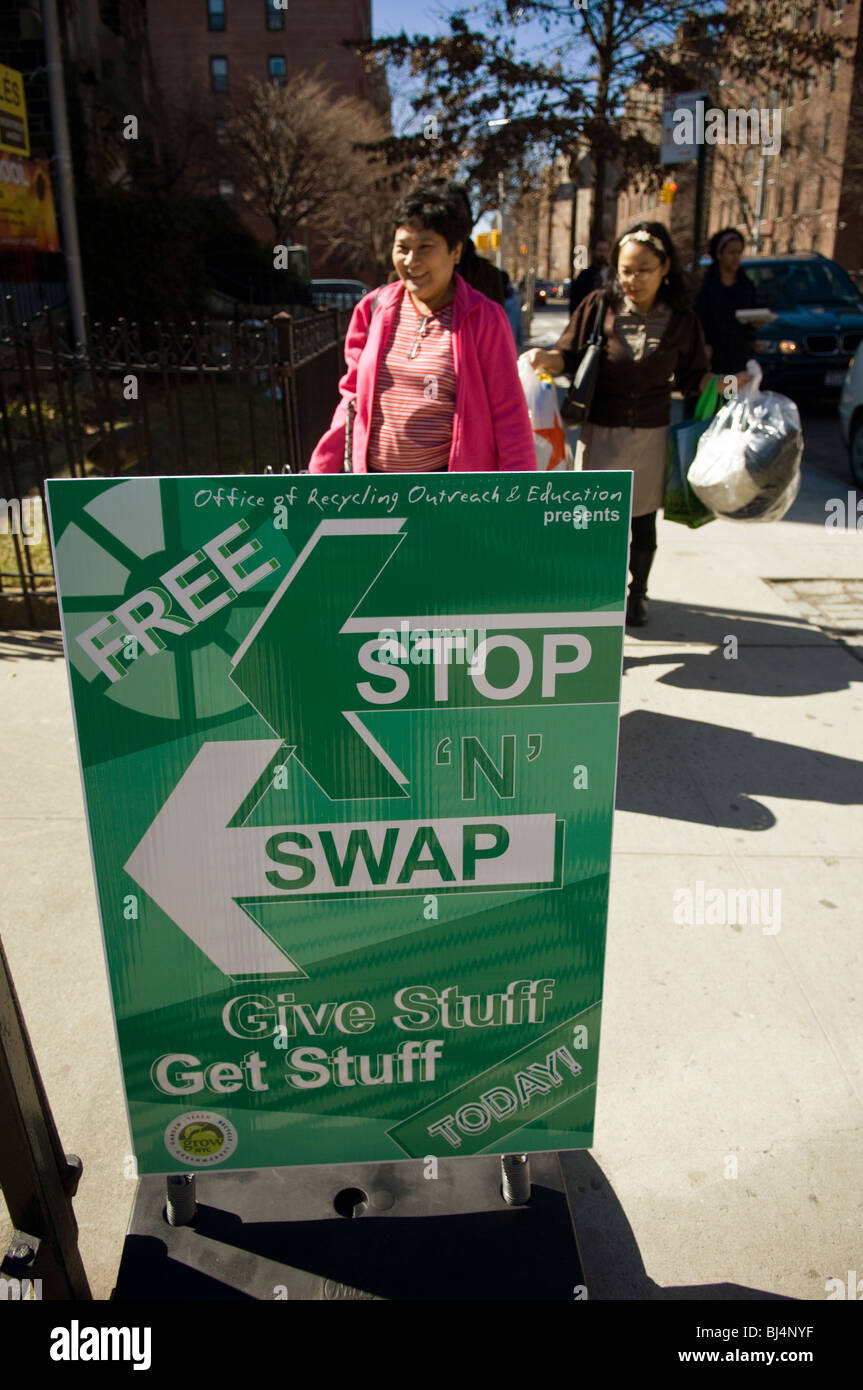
644	532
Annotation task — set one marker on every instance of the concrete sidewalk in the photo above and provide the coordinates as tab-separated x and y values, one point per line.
730	1096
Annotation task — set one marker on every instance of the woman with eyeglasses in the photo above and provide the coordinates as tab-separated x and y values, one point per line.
432	383
652	344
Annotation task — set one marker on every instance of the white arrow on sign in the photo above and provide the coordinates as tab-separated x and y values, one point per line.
194	868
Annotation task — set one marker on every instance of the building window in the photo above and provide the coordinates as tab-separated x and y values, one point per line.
827	123
221	132
780	200
815	240
275	14
277	70
833	74
226	188
795	197
820	195
807	84
219	74
216	16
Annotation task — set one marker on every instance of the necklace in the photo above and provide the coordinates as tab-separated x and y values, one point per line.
420	334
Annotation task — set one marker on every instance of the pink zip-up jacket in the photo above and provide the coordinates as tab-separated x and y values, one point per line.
491	430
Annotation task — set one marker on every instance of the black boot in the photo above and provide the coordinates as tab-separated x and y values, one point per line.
640	562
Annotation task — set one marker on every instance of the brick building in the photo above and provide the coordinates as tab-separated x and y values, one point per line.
215	45
812	198
205	51
175	65
808	196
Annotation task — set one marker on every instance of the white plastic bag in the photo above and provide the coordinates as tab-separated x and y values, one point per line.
540	392
747	465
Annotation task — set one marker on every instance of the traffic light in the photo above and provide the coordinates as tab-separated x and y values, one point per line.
667	191
523	249
495	239
481	241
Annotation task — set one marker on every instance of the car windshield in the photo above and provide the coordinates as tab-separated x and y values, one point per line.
789	284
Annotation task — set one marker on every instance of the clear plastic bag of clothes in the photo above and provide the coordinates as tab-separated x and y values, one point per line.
747	465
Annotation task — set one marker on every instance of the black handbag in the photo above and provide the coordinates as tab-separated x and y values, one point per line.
579	397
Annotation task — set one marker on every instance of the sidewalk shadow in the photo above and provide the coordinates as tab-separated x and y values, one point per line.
32	645
752	671
613	1267
687	770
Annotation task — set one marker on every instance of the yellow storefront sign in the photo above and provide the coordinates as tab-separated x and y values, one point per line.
14	136
27	219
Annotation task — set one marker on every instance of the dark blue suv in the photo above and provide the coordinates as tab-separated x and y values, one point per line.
807	349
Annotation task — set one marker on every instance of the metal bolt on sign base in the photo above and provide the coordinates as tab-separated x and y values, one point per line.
515	1179
181	1206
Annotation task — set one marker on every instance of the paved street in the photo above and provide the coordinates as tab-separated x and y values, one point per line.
730	1095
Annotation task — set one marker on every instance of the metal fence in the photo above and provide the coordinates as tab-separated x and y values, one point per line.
202	398
29	300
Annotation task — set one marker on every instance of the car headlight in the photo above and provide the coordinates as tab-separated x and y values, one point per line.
765	346
788	345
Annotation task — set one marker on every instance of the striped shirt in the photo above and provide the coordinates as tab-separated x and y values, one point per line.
414	405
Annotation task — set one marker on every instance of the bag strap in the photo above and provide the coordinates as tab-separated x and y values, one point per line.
596	333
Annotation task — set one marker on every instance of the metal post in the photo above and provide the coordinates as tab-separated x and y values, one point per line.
37	1178
515	1179
759	200
499	253
65	172
181	1206
699	206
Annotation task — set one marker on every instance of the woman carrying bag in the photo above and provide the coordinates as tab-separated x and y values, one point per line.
725	289
651	344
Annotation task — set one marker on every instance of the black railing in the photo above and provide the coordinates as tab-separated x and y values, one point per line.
150	399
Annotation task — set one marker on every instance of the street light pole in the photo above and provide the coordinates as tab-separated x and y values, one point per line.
759	201
65	172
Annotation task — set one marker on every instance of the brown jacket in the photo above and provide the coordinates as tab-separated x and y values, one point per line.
637	394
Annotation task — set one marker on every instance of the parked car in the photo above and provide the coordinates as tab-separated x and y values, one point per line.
851	416
338	294
807	348
541	293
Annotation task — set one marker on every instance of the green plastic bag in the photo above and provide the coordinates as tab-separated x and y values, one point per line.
680	502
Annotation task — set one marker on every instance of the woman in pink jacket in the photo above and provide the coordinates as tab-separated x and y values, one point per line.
431	382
